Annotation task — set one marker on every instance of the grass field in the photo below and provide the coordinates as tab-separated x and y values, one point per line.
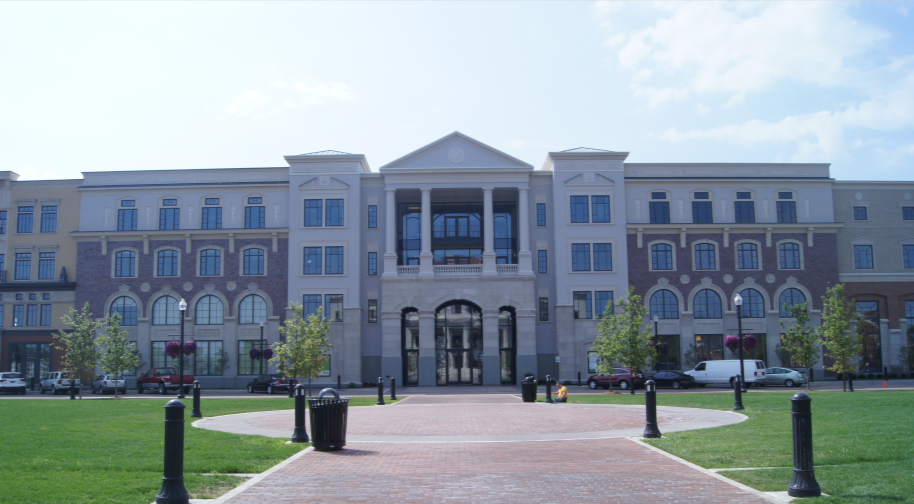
110	451
863	441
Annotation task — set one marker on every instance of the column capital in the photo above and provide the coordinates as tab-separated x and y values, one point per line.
523	189
425	189
390	190
487	189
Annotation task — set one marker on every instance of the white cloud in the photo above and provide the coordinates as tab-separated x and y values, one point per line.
245	104
296	94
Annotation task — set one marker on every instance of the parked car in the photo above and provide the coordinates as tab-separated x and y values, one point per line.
784	376
675	379
12	383
107	383
723	371
163	379
621	378
57	382
270	384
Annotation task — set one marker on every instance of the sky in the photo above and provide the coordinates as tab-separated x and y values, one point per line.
88	86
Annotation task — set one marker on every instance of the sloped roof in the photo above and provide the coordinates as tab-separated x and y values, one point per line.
585	149
327	153
436	155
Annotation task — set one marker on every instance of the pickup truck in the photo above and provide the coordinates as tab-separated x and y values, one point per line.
57	382
163	379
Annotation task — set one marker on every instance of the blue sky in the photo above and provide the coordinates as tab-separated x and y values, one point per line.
170	85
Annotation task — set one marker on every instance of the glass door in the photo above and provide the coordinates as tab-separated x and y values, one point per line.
32	360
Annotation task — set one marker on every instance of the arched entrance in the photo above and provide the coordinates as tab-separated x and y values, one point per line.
458	343
409	325
507	345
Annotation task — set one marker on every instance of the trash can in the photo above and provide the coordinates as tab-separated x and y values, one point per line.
328	421
528	388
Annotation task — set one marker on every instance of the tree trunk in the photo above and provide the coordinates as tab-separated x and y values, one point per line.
808	378
309	386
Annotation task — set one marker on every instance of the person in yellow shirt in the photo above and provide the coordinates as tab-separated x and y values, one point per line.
562	393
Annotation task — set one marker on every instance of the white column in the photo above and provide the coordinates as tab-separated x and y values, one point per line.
390	222
425	256
488	226
524	256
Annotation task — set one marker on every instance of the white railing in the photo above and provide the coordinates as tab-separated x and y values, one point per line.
408	270
458	270
506	269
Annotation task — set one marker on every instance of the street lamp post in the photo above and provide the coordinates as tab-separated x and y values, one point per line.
656	338
261	346
738	301
182	305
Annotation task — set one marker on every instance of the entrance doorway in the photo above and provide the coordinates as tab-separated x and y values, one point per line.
458	344
32	360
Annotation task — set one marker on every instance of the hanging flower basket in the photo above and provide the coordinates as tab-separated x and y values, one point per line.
268	353
173	349
663	348
732	343
190	348
255	354
749	342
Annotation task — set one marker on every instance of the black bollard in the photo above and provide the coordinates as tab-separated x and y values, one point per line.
393	389
339	382
195	413
631	386
380	392
299	435
850	381
292	381
737	394
173	491
549	389
650	402
73	389
803	483
579	378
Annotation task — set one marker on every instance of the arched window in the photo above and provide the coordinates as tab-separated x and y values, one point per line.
665	305
210	262
707	305
126	307
252	310
789	298
209	311
165	311
167	263
125	264
753	304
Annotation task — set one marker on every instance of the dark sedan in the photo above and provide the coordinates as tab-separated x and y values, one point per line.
269	384
675	379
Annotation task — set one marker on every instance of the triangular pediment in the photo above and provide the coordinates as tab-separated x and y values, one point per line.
324	182
589	179
456	151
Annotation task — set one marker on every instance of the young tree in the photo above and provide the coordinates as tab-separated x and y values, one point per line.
800	339
690	357
116	353
223	361
302	354
838	333
78	345
620	338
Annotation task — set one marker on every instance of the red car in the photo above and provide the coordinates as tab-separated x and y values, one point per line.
621	378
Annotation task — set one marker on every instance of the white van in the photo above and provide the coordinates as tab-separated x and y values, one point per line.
723	371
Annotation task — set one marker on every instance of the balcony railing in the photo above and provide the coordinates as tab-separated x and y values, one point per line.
458	270
408	270
506	269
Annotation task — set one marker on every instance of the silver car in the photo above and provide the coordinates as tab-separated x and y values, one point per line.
107	383
784	376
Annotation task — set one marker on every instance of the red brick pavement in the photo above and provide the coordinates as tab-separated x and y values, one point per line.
602	470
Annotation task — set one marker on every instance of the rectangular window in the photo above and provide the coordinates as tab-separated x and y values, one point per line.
169	202
49	219
705	256
334	307
785	195
661	257
580	257
128	203
207	358
701	195
169	218
2	270
860	213
542	261
45	315
702	212
212	218
126	219
544	309
334	212
255	200
167	263
247	365
255	217
313	260
26	218
310	304
582	305
745	212
747	254
1	315
253	261
787	211
907	213
604	303
602	257
372	216
660	212
46	265
23	266
658	195
210	262
2	221
211	201
540	214
333	260
579	211
372	264
908	255
31	319
313	212
863	256
18	316
744	195
790	256
372	311
600	206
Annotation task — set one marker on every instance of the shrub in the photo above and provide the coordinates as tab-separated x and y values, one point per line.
879	376
903	375
893	375
871	376
567	382
351	385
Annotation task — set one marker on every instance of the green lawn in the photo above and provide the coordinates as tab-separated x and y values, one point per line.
110	451
863	441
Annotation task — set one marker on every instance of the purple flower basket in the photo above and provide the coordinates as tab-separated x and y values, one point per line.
268	353
255	354
749	342
173	349
732	343
190	348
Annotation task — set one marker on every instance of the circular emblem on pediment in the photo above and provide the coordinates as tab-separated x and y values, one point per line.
455	155
684	279
145	287
188	286
769	278
230	286
728	279
859	196
907	196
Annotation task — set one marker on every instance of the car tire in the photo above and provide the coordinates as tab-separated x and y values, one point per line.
54	390
270	390
23	391
41	389
250	389
162	389
677	385
592	384
701	385
623	385
139	388
789	383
